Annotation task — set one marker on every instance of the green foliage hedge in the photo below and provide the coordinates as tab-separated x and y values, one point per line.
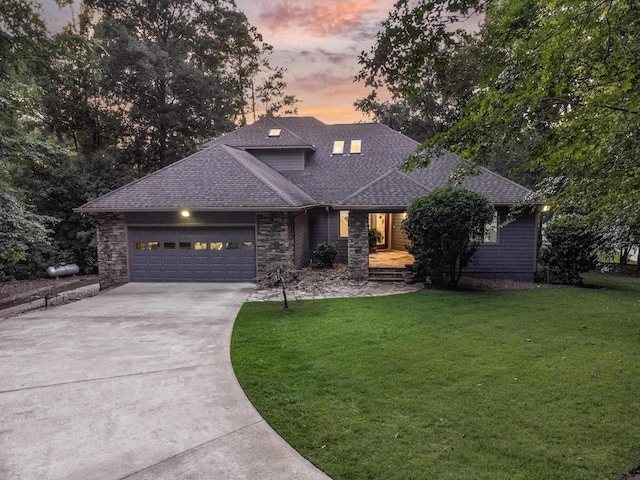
445	229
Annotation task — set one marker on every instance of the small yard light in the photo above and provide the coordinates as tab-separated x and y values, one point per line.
546	208
185	213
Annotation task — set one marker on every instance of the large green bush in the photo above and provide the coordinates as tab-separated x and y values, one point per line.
445	229
569	248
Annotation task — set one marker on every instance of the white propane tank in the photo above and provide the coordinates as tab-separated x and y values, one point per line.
63	270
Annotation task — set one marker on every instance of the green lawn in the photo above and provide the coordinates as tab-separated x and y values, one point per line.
540	384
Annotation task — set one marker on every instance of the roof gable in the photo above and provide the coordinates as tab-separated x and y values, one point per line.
218	177
393	188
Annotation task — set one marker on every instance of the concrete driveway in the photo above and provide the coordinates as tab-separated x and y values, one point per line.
135	383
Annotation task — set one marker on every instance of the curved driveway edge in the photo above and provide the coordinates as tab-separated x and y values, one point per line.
135	383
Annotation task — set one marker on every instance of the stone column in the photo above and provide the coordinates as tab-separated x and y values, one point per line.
358	245
275	242
112	250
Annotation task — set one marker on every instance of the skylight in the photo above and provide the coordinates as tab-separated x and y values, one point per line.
275	132
338	147
356	146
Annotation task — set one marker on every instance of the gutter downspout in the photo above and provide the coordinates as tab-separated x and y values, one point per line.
327	209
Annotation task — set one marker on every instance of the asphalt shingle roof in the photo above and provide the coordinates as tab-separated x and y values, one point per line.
223	175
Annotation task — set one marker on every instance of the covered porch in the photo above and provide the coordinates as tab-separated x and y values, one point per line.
390	259
389	256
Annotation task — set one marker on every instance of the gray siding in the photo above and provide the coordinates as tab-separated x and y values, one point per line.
321	231
512	257
302	246
196	218
399	239
281	160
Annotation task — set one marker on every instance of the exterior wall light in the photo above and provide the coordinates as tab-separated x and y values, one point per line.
546	208
185	213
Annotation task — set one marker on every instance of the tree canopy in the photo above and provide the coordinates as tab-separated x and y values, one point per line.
556	93
127	87
429	64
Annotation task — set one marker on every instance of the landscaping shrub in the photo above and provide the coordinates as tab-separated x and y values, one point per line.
445	229
375	237
570	248
325	255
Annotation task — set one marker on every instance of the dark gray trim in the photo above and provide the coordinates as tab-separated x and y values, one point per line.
177	210
311	148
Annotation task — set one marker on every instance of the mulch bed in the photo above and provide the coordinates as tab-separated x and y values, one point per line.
307	278
17	292
617	269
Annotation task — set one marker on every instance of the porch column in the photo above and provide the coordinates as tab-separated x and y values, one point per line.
275	242
358	245
112	250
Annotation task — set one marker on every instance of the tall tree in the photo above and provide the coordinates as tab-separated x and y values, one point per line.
23	58
427	61
180	68
271	92
78	109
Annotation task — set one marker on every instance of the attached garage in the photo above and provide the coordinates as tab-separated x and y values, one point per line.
192	254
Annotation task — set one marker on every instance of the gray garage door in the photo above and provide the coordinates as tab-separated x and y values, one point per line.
193	254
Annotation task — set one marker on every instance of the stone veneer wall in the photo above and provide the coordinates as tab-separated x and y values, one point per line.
358	245
112	250
275	241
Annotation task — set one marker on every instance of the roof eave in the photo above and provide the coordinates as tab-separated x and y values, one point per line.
91	211
276	147
402	208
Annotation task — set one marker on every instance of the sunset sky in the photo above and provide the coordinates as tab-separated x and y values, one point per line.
318	41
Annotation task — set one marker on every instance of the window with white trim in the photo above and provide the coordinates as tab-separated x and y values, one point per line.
491	237
338	147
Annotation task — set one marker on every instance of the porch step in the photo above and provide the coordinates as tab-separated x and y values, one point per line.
385	274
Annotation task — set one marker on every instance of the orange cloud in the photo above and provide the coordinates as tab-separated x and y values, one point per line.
320	17
319	82
333	115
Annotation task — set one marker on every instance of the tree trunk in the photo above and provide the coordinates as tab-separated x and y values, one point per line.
624	255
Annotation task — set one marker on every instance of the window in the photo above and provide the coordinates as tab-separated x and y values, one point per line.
492	235
338	147
139	246
200	245
247	245
232	245
154	245
215	246
185	245
275	132
169	245
344	223
356	146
